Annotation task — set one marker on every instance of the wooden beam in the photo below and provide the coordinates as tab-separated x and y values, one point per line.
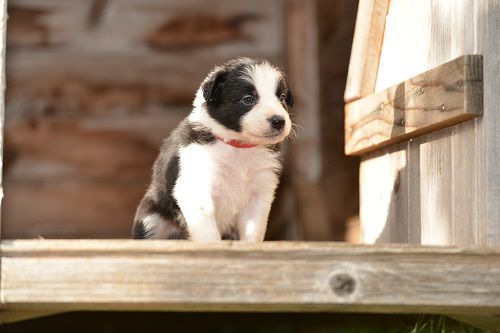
3	32
366	47
441	97
52	275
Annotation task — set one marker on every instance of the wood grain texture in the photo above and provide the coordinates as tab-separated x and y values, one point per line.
420	36
384	169
366	47
441	97
489	133
435	200
3	27
170	275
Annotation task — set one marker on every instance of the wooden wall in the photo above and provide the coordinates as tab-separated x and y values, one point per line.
440	188
93	87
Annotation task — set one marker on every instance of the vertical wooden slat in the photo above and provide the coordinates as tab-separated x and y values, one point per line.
384	196
414	193
464	231
3	28
405	42
435	188
399	203
490	31
365	53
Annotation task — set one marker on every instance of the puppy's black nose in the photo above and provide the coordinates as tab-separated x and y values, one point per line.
277	122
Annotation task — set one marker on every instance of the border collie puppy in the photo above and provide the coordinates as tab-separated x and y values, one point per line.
216	174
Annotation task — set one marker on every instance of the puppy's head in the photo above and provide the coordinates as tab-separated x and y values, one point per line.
247	100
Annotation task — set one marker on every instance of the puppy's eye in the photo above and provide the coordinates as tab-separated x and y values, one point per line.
283	98
248	100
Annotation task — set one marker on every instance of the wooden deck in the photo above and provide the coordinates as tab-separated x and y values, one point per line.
49	276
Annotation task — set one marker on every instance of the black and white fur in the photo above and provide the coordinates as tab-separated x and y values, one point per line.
204	189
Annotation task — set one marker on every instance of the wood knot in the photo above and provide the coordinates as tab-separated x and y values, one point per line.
342	284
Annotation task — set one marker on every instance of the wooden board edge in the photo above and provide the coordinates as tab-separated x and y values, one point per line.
472	104
70	247
366	48
37	280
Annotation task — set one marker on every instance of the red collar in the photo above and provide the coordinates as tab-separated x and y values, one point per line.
235	143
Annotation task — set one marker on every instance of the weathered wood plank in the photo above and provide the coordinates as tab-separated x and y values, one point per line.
435	188
489	129
441	97
384	214
366	47
177	275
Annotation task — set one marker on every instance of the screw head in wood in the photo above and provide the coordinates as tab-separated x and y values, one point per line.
400	122
342	284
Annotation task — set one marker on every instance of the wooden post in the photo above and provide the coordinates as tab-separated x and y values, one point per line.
3	29
302	69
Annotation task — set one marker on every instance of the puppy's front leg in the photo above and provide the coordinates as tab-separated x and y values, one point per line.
193	193
200	220
252	221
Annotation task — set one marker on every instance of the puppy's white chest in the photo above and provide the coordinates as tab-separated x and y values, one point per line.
225	178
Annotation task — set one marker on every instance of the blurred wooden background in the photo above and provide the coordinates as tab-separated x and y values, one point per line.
93	87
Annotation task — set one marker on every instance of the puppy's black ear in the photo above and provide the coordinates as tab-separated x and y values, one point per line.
211	87
289	98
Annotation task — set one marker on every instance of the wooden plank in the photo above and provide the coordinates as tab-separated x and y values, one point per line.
413	193
237	276
489	136
464	232
435	188
384	212
403	43
441	97
366	47
3	28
